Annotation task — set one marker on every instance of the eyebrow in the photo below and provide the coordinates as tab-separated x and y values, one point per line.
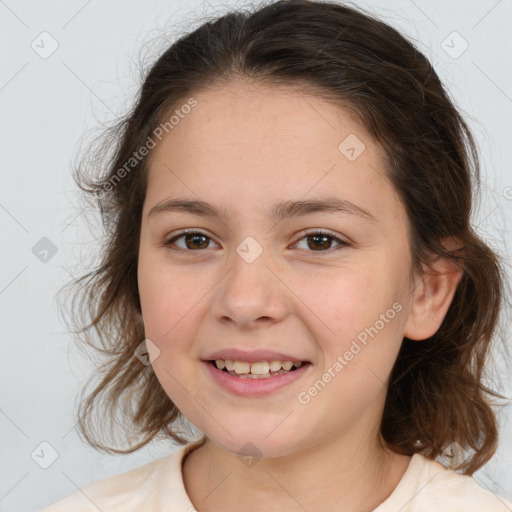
278	212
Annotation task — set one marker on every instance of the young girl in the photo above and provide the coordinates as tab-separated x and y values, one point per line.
290	265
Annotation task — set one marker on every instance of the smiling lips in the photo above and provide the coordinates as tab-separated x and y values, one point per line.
258	369
255	385
254	364
253	356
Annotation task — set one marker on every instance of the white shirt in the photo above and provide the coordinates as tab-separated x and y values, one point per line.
158	486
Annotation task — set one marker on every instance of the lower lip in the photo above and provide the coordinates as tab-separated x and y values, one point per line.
254	387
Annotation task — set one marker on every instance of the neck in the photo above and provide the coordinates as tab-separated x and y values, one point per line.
351	470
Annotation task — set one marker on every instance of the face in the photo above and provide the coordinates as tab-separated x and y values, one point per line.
330	288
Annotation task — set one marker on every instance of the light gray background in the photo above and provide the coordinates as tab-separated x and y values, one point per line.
46	106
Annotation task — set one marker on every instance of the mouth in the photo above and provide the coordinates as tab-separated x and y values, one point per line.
257	370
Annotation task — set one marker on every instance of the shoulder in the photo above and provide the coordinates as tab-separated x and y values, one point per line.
427	486
148	488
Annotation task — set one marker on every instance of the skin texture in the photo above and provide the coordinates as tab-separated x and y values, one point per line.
243	148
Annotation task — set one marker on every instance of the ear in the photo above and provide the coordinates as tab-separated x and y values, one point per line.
432	298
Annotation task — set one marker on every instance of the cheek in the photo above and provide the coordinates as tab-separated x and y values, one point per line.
357	313
168	303
349	299
167	298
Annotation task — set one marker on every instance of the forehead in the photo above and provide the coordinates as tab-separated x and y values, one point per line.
249	112
268	143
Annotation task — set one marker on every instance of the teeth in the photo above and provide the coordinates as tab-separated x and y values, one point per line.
241	367
257	368
275	366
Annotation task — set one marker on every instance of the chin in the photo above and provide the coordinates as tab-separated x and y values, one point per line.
256	444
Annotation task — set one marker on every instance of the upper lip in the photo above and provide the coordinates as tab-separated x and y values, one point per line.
252	356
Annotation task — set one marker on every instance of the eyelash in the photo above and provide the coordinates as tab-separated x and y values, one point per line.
170	241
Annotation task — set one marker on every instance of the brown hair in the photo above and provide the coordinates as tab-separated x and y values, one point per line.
436	395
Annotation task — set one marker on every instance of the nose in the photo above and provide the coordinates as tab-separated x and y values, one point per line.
250	294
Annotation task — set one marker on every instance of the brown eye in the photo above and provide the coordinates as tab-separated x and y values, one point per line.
194	240
321	242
